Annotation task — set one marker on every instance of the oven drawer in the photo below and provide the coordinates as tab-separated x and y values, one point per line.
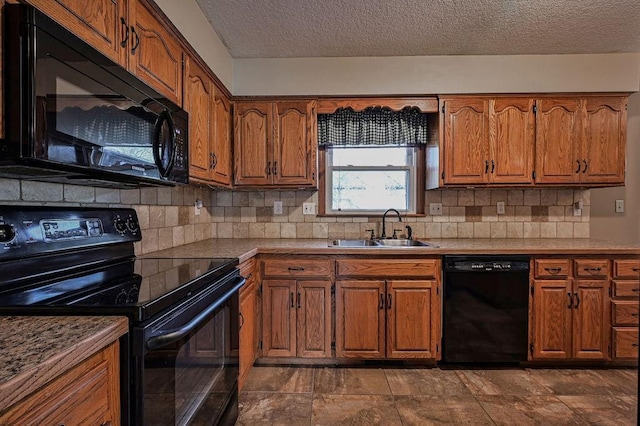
626	288
397	268
627	268
552	268
297	268
591	268
625	342
625	312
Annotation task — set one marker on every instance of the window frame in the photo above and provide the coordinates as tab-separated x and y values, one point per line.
417	183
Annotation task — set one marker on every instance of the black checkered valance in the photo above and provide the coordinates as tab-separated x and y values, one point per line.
373	126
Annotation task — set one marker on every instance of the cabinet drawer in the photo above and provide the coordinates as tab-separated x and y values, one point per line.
297	268
591	268
625	342
626	288
625	312
552	268
247	267
628	268
400	268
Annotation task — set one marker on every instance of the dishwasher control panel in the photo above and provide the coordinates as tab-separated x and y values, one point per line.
486	264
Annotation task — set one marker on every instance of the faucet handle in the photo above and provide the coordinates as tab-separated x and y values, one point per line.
373	234
395	235
409	232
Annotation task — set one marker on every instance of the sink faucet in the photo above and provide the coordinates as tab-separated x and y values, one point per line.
384	218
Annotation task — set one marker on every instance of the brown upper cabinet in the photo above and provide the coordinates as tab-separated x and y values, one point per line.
131	33
209	127
275	143
488	141
572	140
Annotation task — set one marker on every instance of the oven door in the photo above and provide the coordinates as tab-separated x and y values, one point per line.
184	369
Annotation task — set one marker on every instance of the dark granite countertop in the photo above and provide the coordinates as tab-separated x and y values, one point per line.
34	350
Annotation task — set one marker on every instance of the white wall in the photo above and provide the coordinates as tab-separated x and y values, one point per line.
191	22
437	75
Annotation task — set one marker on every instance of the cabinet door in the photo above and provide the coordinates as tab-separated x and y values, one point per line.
101	23
603	149
221	142
466	136
591	324
155	55
558	140
511	140
199	96
413	319
314	319
294	143
551	310
253	143
279	318
247	333
360	318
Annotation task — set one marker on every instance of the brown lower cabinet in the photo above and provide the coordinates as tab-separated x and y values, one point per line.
249	318
87	394
297	318
570	315
625	308
387	319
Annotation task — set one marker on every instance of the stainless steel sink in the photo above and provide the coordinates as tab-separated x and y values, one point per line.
378	243
352	243
402	243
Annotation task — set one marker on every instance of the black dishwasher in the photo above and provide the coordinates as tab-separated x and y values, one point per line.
485	309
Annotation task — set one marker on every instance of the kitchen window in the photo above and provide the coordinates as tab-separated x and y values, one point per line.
371	161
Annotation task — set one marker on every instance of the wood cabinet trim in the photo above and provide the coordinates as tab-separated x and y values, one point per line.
424	104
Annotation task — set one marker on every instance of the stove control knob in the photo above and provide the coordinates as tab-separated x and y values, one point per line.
120	225
7	233
132	225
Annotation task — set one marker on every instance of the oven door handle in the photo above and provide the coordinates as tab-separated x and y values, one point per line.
167	337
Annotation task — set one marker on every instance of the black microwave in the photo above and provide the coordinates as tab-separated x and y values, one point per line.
74	116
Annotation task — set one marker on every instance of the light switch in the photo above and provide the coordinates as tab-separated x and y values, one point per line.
277	207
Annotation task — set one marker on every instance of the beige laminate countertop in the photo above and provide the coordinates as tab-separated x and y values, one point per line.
247	248
35	350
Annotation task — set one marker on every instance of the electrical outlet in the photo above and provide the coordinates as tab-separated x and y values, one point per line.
435	209
500	207
619	206
197	207
308	208
577	212
277	207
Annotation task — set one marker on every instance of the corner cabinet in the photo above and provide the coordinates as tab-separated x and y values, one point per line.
132	33
209	127
275	144
388	308
525	141
569	306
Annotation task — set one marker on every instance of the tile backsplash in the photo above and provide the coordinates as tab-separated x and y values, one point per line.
168	219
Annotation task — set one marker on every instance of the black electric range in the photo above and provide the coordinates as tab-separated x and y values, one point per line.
60	261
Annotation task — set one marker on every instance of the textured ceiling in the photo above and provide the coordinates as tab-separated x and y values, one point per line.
322	28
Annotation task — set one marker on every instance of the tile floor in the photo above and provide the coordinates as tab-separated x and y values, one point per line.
392	396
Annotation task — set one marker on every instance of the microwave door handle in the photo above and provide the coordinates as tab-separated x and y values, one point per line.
167	337
159	148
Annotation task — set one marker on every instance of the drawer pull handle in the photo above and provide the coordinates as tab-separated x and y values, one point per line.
299	268
635	269
635	290
635	315
593	270
553	271
635	345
